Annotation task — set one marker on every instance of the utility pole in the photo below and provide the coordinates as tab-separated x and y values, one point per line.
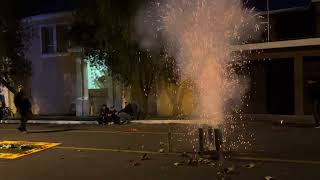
268	16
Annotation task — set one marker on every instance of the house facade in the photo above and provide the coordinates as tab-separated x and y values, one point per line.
281	64
61	79
286	59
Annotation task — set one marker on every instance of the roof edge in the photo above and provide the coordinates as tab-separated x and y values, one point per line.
42	17
277	44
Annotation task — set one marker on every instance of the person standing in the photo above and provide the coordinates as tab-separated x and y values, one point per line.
315	95
23	106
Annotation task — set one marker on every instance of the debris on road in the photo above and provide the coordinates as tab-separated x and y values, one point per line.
184	154
200	160
229	170
177	164
25	147
136	164
269	178
6	146
192	162
132	130
249	166
161	150
144	157
212	164
162	143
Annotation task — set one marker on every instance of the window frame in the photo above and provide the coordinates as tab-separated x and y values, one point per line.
55	44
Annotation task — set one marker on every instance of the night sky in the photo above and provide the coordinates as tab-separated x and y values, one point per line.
35	7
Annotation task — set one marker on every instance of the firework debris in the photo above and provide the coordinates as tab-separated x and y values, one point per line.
249	166
269	178
134	164
161	150
184	154
178	164
16	146
144	157
25	147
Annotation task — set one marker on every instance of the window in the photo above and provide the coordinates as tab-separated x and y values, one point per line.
54	39
47	36
62	38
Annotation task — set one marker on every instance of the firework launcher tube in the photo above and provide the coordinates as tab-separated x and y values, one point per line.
200	140
211	138
214	138
169	142
218	139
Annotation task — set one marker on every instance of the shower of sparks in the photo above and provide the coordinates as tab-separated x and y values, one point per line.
200	34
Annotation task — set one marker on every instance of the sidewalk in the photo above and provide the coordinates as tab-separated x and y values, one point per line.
55	120
284	120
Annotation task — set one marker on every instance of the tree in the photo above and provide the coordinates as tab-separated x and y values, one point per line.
14	66
106	27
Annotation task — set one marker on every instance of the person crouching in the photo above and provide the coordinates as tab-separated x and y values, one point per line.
103	119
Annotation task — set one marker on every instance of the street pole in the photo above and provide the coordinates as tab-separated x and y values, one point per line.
268	16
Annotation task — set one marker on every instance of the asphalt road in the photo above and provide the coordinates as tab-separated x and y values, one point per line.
114	152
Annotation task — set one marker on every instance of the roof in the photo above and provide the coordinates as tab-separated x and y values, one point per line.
278	44
278	5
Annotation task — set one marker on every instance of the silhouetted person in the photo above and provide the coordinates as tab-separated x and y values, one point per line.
315	95
23	106
113	115
127	109
126	113
103	114
2	110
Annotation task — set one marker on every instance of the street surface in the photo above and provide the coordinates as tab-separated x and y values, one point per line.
114	152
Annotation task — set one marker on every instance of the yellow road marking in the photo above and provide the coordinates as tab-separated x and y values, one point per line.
40	146
124	132
175	153
276	160
112	150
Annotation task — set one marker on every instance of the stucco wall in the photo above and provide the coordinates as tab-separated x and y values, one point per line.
53	77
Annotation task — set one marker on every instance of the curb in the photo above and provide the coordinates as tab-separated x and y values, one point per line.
61	122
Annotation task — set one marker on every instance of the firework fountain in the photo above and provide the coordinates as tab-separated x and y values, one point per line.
200	35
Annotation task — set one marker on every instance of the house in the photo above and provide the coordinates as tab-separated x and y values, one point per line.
285	60
282	61
61	82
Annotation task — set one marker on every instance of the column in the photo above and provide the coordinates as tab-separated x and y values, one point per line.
298	85
110	91
82	92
